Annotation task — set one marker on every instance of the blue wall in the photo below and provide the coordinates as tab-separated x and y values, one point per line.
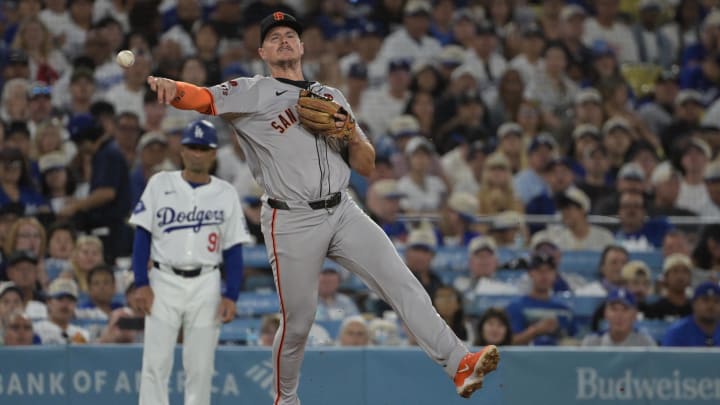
108	375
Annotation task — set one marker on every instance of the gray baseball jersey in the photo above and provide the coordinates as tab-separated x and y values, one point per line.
286	160
296	166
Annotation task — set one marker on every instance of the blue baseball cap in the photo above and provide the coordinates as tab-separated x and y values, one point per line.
358	71
601	48
622	296
370	29
707	289
84	126
399	64
544	139
200	132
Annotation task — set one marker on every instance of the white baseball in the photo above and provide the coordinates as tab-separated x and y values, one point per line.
125	58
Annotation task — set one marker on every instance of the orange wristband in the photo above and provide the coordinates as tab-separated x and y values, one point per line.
191	97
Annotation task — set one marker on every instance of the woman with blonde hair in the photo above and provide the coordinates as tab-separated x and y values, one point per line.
47	63
27	233
48	138
496	190
87	254
14	100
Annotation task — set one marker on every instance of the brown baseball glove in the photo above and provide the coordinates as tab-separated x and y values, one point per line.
317	115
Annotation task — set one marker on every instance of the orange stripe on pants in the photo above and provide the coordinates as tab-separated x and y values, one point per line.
282	307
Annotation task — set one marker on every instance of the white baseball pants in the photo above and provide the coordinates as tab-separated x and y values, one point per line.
193	304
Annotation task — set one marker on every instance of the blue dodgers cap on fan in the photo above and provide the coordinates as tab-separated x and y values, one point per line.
622	296
707	289
200	132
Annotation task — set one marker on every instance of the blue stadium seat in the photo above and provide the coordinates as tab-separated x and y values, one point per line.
259	282
240	330
654	327
256	256
483	302
332	327
250	304
353	283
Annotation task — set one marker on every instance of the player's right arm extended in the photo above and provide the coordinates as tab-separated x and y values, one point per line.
191	97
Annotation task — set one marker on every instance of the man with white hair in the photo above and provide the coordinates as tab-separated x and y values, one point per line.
482	266
693	193
577	233
456	219
665	181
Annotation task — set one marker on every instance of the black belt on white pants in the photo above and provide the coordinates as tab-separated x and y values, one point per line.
187	273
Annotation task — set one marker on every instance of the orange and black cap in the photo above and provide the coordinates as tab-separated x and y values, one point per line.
278	19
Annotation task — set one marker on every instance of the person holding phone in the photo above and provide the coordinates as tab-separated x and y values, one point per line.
188	224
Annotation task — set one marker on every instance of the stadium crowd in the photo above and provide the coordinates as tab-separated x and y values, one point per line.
500	126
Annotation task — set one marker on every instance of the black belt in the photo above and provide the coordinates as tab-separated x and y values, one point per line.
191	273
329	202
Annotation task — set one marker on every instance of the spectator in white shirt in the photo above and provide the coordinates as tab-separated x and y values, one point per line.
652	43
10	299
333	305
56	18
412	41
577	233
188	12
128	95
605	27
22	271
366	44
57	329
530	60
233	168
694	194
486	63
712	183
482	266
81	14
551	86
621	312
379	106
424	191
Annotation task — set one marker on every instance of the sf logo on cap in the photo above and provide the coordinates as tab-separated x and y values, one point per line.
198	132
279	16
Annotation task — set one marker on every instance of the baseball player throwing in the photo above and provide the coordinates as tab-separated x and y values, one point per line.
188	223
301	141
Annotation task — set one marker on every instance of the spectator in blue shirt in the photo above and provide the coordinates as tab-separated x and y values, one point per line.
536	318
333	305
16	185
559	176
702	328
703	78
383	203
457	217
529	183
637	233
104	211
101	291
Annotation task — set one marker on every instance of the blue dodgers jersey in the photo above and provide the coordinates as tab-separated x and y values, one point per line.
526	310
686	333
